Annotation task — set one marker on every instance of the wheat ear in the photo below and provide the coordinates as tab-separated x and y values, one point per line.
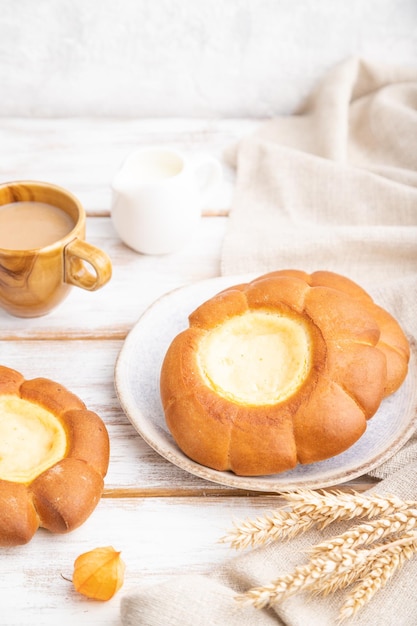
306	577
309	509
337	570
275	526
387	560
337	505
370	532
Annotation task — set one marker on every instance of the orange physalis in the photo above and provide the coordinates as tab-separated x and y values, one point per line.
99	573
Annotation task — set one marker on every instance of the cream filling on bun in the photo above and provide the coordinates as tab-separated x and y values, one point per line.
31	439
258	358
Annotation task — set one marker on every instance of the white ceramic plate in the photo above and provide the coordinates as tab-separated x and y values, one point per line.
137	385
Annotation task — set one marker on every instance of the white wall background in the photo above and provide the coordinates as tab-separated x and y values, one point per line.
199	58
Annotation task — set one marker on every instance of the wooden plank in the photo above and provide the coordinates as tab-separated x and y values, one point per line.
87	369
138	280
163	519
83	154
159	538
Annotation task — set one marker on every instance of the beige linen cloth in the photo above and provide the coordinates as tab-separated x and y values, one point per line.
332	187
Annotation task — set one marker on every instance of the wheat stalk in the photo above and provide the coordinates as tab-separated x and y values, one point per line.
382	568
309	508
278	525
372	560
306	577
337	505
337	570
336	563
365	534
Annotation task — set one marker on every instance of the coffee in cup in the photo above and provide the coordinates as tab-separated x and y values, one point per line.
25	225
43	249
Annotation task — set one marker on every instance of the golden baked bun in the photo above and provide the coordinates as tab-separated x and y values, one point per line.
283	370
54	454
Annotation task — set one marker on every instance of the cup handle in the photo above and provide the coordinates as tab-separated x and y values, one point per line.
79	251
208	173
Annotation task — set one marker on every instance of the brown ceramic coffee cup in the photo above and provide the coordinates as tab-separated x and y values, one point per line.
37	274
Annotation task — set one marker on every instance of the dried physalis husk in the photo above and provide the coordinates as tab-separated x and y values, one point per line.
99	574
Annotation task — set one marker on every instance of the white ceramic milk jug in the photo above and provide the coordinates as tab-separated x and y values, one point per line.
158	196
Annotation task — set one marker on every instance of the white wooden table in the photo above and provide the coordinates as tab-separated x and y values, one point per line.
163	519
